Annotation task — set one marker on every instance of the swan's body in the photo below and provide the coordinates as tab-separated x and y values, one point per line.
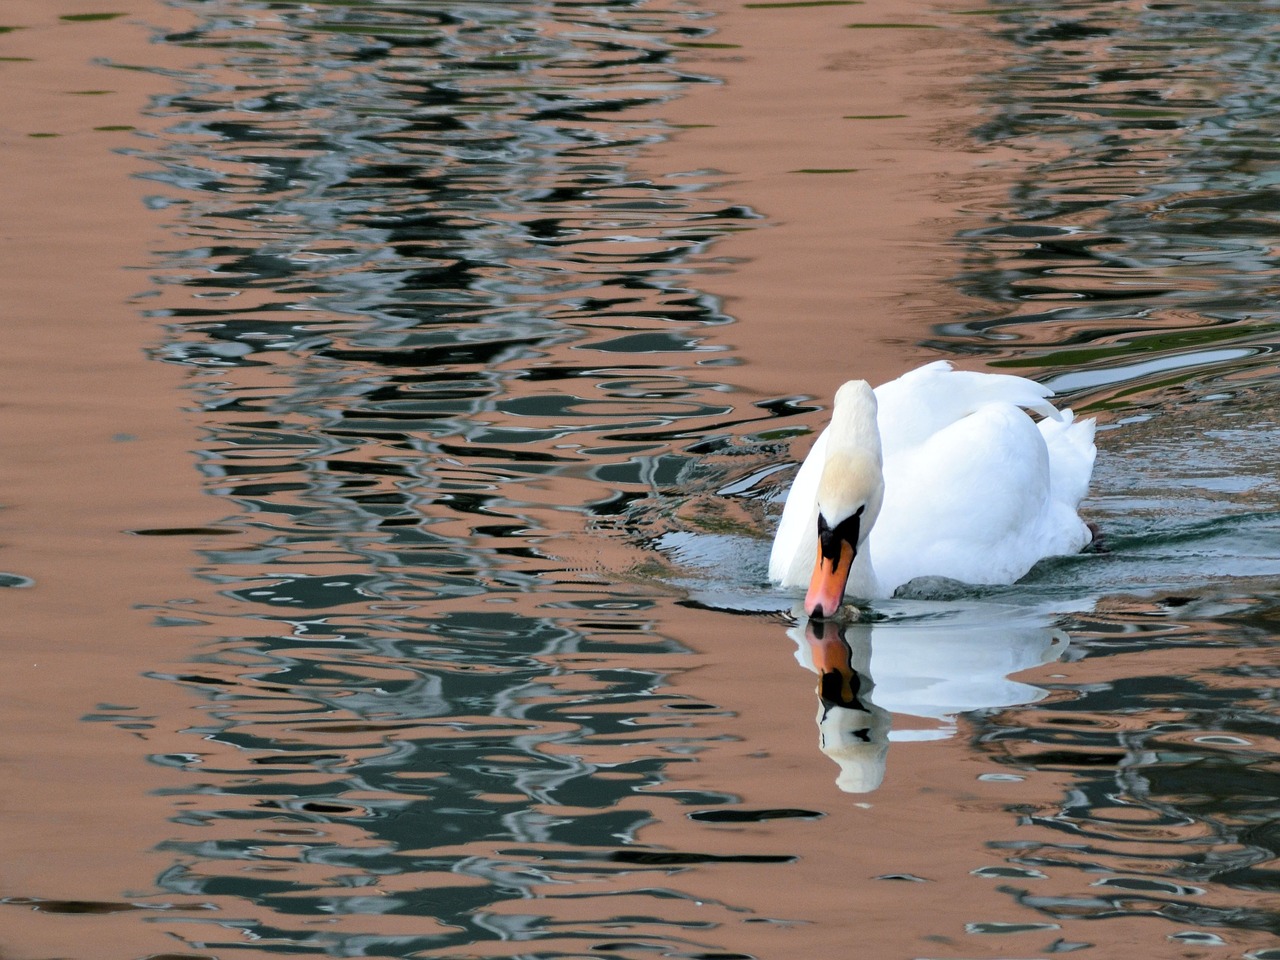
937	473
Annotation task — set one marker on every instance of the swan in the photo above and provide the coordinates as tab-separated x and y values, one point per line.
938	473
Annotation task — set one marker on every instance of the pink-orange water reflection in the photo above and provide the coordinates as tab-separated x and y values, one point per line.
464	339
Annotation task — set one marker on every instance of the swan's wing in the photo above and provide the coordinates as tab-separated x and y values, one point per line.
974	502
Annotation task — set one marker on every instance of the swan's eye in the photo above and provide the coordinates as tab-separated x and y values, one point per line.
829	538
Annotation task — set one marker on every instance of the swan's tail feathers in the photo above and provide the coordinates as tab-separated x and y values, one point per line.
1071	455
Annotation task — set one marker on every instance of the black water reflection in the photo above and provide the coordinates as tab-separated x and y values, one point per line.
449	765
1135	260
1138	243
454	369
442	335
396	238
1171	752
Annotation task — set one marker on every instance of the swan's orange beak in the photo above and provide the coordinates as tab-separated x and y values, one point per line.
826	586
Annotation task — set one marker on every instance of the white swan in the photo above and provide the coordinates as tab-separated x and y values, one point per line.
937	473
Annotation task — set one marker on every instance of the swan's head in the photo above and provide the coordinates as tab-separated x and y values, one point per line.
850	492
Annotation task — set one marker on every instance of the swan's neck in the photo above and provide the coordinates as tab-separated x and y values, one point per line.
853	422
853	477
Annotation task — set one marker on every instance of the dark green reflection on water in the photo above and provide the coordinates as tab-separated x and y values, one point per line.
439	330
447	774
1142	224
1171	812
1135	260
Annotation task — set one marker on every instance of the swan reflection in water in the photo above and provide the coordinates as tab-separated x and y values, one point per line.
932	669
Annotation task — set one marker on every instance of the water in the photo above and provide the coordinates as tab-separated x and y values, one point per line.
473	653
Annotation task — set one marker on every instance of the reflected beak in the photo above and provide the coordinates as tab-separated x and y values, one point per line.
826	586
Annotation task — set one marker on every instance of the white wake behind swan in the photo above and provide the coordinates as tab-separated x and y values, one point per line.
937	473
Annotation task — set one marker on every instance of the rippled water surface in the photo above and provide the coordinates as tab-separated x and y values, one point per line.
482	660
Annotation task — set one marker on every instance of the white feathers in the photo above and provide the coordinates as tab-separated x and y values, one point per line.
973	489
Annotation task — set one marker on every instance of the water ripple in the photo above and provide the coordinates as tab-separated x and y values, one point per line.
1142	218
458	386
